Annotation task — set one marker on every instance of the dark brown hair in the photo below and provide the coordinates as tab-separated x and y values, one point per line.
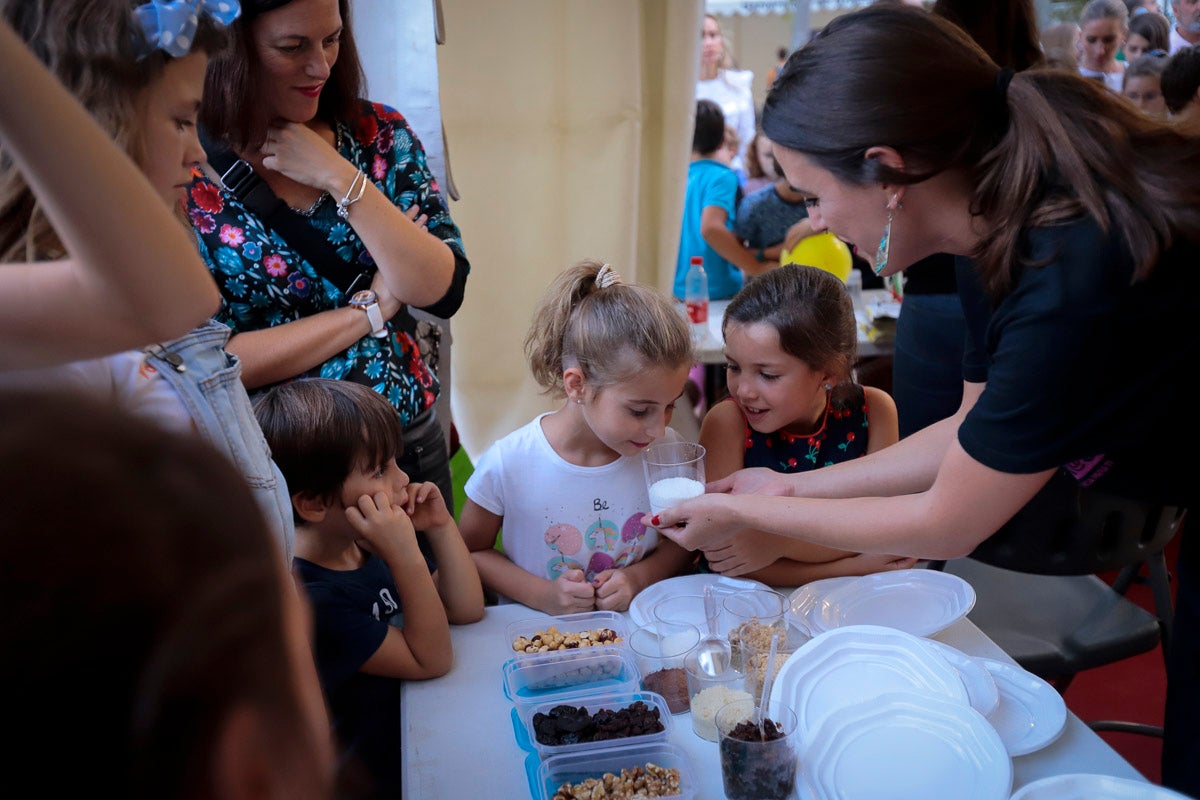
708	134
1181	79
1006	29
234	83
1052	147
1154	28
141	602
321	430
809	308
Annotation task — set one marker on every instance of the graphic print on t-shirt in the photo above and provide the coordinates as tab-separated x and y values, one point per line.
389	605
604	546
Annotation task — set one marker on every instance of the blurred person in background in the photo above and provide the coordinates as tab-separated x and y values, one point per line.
1186	30
1062	45
1103	25
1143	84
1181	88
727	86
1146	32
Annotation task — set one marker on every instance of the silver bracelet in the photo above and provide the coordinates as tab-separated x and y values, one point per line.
343	205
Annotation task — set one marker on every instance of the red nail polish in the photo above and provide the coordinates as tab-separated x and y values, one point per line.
655	521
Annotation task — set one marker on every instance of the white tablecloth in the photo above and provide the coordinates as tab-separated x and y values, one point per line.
459	743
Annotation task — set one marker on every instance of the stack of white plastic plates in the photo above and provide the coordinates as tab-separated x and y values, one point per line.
1093	787
905	747
804	602
1031	713
982	691
641	610
917	601
848	665
886	714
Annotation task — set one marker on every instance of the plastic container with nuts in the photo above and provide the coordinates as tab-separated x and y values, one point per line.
552	676
633	718
663	768
537	635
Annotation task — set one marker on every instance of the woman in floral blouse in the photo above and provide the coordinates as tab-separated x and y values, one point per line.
286	99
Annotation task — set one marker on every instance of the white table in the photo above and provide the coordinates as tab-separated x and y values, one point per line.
458	735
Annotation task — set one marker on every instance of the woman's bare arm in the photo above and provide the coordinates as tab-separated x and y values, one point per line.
133	274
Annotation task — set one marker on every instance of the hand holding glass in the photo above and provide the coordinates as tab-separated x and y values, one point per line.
674	473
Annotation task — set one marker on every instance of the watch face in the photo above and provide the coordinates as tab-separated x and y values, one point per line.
363	298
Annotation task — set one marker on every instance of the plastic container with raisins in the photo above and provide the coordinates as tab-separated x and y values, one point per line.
553	676
527	733
594	625
575	768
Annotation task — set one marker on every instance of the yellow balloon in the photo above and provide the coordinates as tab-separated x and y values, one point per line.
824	251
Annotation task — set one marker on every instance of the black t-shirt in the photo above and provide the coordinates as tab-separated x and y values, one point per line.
1086	370
931	275
351	612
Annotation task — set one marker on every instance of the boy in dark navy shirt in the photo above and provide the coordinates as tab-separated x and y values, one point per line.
357	556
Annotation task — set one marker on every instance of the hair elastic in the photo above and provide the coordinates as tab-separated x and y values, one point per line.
606	277
1003	78
170	25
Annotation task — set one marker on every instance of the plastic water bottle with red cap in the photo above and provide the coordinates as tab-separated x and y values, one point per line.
695	297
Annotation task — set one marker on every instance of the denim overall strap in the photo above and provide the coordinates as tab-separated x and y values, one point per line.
208	381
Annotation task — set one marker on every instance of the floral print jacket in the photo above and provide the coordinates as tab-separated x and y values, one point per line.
264	282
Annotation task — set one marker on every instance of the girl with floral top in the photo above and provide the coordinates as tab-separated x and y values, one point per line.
790	339
286	100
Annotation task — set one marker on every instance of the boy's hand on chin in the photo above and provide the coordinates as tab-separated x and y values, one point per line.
383	528
425	506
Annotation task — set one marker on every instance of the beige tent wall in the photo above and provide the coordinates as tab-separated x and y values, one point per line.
568	128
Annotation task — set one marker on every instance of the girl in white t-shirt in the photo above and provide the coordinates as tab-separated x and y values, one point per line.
568	487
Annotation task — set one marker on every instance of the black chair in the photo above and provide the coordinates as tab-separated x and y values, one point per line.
1038	596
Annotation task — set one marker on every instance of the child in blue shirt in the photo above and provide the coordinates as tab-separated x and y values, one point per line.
708	213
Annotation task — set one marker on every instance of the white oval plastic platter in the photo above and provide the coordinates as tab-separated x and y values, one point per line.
641	610
1031	713
1093	787
803	602
846	666
904	747
917	601
980	685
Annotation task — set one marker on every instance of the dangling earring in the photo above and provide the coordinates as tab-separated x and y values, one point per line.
885	243
829	387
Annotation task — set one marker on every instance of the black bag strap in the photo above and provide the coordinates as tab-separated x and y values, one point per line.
241	181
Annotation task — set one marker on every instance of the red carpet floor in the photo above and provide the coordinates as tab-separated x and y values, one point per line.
1132	690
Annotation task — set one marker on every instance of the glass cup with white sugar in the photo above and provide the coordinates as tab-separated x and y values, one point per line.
674	472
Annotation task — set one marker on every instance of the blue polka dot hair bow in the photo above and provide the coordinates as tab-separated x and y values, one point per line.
170	25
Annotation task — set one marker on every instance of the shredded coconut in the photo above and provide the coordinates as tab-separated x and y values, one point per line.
704	708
